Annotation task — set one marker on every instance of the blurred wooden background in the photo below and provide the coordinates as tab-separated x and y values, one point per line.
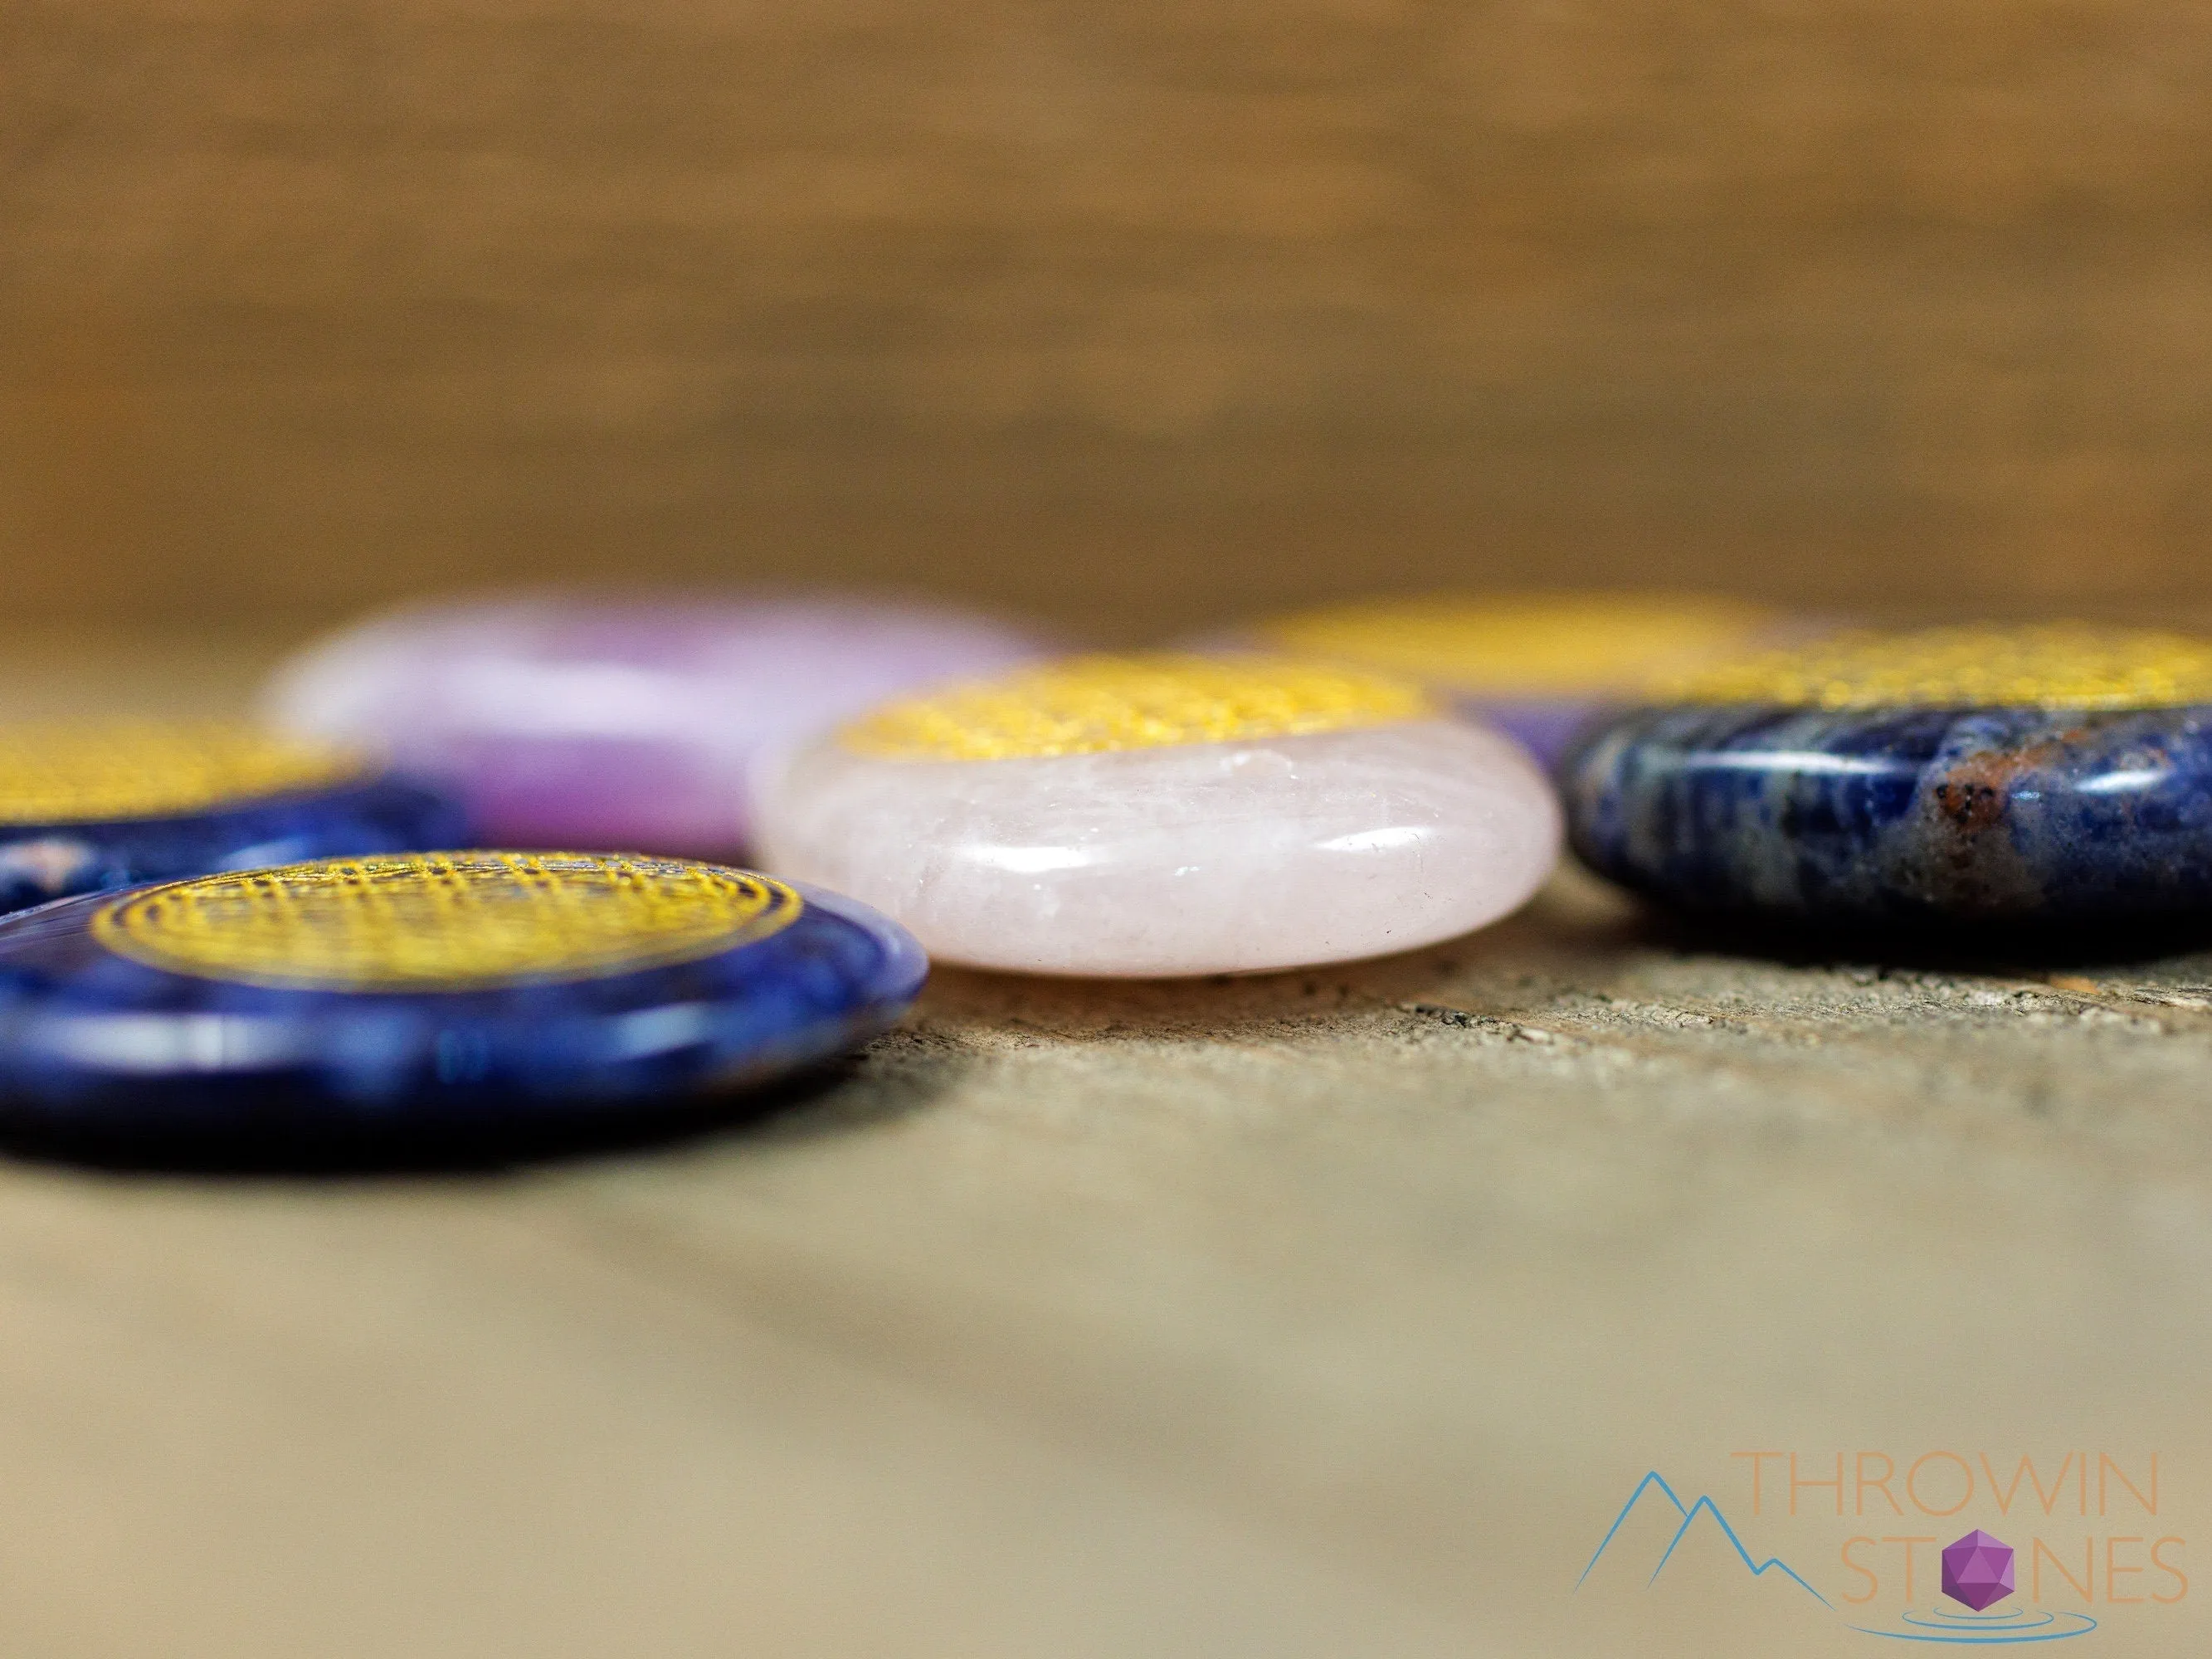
1137	311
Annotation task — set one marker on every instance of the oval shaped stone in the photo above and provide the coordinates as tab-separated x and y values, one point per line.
2059	774
1169	815
1538	667
569	720
441	994
86	807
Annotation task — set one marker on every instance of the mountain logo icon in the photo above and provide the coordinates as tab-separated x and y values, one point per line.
1653	1486
1978	1573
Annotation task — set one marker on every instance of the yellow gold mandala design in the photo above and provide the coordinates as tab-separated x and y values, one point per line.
1088	705
124	769
444	922
1565	645
2050	666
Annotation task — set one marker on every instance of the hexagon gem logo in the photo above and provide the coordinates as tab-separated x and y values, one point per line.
1978	1569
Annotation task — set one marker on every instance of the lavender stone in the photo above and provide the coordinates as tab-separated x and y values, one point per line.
562	720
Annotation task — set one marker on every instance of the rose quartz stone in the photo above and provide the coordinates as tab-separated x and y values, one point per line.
1189	859
562	721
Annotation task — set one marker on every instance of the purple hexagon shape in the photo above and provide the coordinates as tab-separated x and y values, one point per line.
1978	1569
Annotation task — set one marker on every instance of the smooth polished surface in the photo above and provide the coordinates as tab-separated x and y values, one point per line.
1989	815
609	721
438	994
1878	778
89	806
1188	859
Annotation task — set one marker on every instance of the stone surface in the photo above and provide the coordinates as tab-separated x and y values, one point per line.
2053	774
441	997
1978	1569
2008	816
571	720
1189	859
89	806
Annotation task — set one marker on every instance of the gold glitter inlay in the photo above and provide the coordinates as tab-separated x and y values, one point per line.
2050	665
1562	645
444	922
94	772
1088	705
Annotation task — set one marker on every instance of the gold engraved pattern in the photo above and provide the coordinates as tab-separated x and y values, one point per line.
1088	705
1563	646
96	773
444	921
2049	666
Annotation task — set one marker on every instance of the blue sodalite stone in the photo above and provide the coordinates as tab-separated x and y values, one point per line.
1902	815
96	1048
41	862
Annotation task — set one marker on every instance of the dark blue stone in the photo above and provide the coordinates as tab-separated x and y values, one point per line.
40	862
95	1047
1989	815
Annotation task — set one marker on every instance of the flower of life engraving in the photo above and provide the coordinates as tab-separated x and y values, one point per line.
444	921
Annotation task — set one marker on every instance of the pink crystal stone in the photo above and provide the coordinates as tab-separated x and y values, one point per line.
562	721
1162	856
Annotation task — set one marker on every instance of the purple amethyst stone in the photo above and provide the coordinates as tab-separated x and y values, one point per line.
566	721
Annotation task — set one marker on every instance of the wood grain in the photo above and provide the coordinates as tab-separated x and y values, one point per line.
1138	313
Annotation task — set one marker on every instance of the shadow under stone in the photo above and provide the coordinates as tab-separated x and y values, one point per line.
276	1138
1931	945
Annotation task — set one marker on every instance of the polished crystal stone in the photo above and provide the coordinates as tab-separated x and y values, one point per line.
1537	666
91	806
1978	1571
431	994
569	720
1168	816
1982	775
